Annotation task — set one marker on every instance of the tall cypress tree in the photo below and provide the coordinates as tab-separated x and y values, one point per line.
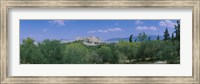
166	35
173	38
158	37
130	38
149	38
142	37
177	30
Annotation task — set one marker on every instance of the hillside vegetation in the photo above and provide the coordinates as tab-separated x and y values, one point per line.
142	51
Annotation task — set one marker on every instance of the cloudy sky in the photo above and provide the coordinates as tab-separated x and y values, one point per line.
104	29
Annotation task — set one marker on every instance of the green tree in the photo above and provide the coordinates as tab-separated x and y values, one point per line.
142	36
140	55
127	49
158	37
105	54
169	53
53	50
130	38
95	58
76	53
135	39
114	52
177	30
148	50
177	37
149	38
166	35
173	38
30	53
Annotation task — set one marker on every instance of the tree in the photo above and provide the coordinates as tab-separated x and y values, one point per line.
173	38
169	54
127	49
177	30
105	54
130	38
158	37
149	39
30	53
135	39
142	36
76	53
95	58
166	35
53	50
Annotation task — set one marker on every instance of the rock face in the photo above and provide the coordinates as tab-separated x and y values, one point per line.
161	62
89	41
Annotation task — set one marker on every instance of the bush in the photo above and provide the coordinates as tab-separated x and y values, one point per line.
52	51
30	53
76	53
55	52
105	54
128	49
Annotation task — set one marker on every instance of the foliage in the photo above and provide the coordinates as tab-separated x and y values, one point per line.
130	38
177	30
30	53
76	53
169	53
123	52
105	55
158	37
166	35
52	51
142	36
127	49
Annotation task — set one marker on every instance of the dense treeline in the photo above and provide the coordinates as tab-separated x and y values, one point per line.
143	51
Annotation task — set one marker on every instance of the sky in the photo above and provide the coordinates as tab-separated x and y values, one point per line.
104	29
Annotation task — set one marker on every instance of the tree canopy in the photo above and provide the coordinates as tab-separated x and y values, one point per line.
144	51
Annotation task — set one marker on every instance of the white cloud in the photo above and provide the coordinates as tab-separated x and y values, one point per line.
44	30
146	28
102	31
167	23
106	30
141	28
137	22
152	28
57	22
114	29
91	32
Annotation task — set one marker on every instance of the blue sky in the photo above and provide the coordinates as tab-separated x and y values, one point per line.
104	29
